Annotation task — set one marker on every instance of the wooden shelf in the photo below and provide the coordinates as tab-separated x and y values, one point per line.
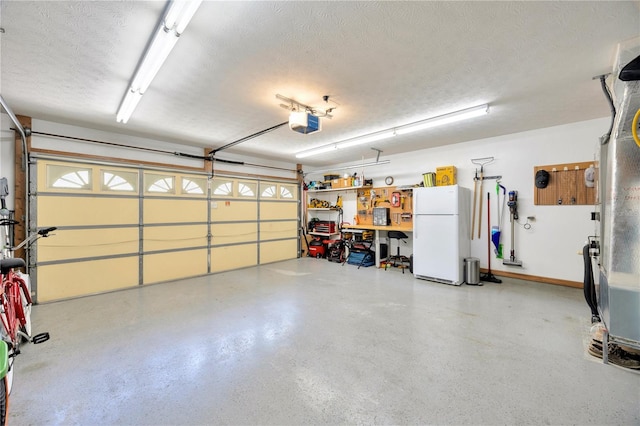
346	188
326	209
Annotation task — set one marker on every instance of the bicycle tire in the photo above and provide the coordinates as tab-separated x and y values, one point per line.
8	379
4	399
13	344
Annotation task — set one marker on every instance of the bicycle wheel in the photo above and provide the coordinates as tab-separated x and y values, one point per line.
3	401
4	394
8	379
10	345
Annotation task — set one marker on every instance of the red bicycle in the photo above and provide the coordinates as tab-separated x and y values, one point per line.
15	314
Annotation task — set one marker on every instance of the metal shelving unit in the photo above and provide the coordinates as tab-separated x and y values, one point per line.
323	209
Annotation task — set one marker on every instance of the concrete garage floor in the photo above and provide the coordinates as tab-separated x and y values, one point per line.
312	342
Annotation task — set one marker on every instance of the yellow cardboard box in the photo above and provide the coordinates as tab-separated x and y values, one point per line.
446	175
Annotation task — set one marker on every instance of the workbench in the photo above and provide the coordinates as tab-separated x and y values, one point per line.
406	228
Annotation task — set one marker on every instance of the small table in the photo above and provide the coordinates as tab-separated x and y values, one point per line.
377	229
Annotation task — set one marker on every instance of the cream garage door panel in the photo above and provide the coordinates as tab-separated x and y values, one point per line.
275	230
174	237
86	211
229	211
233	257
278	210
231	233
172	266
84	243
83	278
278	250
174	210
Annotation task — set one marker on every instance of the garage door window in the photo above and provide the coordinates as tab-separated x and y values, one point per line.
119	181
68	177
223	187
278	191
285	192
160	184
269	191
194	186
247	189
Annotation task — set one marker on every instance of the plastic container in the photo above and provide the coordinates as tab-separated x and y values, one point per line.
472	270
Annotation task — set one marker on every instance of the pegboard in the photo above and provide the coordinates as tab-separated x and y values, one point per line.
566	186
400	214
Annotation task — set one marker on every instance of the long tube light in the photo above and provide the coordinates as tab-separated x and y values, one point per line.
400	130
176	18
354	166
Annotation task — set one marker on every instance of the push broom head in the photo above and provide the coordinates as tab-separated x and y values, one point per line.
512	262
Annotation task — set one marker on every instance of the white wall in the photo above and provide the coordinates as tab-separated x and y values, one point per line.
549	249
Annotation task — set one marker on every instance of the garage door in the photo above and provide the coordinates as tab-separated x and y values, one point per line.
278	222
121	227
252	222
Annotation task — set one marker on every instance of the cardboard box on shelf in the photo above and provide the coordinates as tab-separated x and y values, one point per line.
446	175
341	183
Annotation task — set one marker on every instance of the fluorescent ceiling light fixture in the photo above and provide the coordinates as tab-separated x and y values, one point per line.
162	44
400	130
347	143
354	166
129	103
443	119
361	140
316	151
180	13
177	16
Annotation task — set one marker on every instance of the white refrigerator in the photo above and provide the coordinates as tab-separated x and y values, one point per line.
441	238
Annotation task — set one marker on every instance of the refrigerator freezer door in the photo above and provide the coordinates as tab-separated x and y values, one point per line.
436	251
436	200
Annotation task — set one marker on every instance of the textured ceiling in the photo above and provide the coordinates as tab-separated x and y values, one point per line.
384	64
